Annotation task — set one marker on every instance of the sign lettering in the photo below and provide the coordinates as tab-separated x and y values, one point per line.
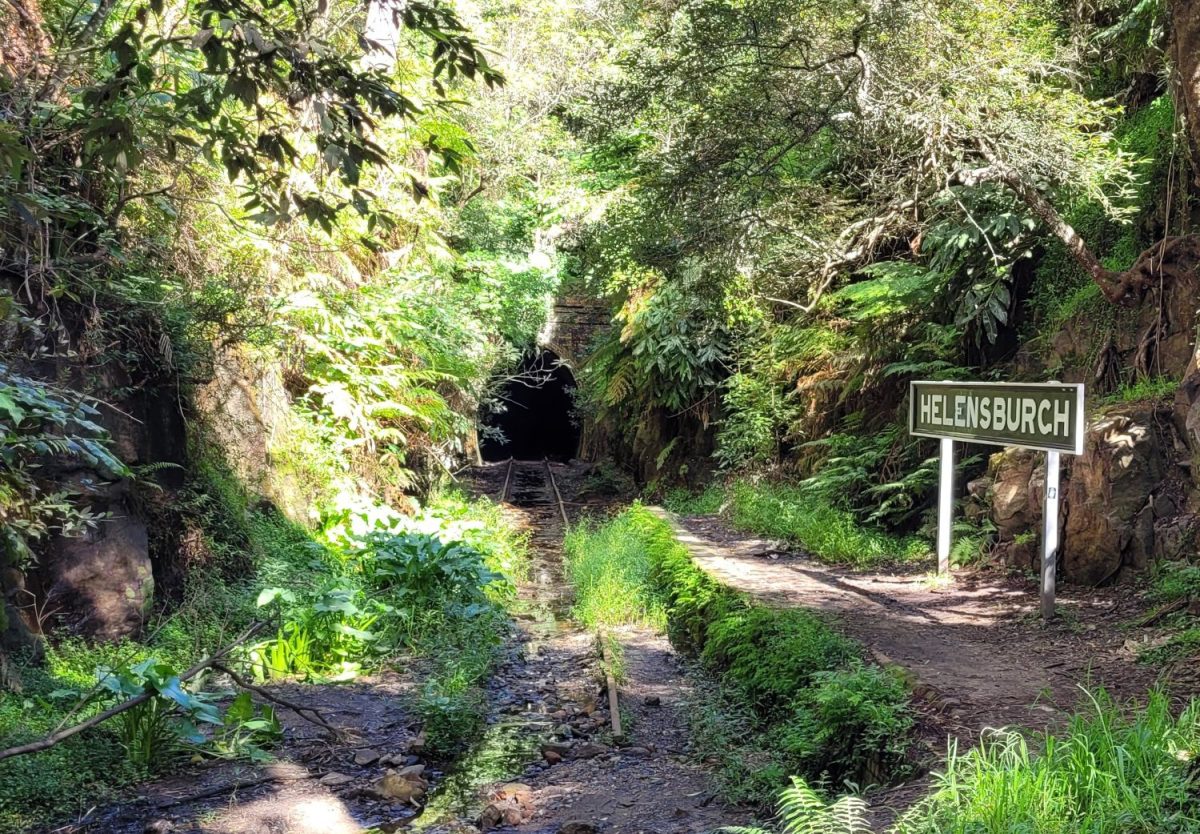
1042	416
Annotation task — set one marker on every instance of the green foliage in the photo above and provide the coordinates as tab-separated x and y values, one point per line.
768	656
883	477
803	811
452	704
791	695
387	590
971	541
1143	389
1174	581
1113	771
609	570
798	515
1181	646
66	780
682	501
40	422
846	711
342	608
892	288
756	414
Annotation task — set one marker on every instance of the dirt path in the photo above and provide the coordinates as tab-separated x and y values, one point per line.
976	652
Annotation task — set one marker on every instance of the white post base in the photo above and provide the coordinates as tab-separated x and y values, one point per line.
945	505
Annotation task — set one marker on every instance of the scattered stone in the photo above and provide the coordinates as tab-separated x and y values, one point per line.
366	757
503	812
412	772
519	792
652	701
589	750
556	747
417	744
640	752
577	827
333	779
159	826
400	789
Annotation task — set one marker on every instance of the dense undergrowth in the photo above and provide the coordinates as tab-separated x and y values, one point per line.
785	693
1114	770
800	516
369	589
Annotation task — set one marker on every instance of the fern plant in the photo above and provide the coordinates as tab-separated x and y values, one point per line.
803	811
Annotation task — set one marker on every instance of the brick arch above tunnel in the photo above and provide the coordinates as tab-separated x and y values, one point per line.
575	322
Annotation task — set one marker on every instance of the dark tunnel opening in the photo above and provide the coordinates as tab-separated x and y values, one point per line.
535	415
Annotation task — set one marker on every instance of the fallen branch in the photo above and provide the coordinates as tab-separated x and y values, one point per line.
313	717
1160	612
100	717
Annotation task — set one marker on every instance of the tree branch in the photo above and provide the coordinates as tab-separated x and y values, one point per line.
100	717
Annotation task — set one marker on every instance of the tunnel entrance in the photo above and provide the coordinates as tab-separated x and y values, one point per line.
535	415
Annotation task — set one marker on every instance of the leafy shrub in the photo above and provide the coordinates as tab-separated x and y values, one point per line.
846	711
757	416
39	421
769	655
416	566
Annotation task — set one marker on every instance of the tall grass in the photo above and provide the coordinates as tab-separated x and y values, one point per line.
610	568
827	532
1114	771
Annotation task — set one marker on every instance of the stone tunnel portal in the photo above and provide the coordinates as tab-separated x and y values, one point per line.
535	415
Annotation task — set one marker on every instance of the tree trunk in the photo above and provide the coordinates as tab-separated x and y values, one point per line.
1185	71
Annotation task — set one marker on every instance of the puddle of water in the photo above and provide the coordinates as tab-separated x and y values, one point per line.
506	749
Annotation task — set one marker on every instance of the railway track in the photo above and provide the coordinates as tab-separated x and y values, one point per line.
531	487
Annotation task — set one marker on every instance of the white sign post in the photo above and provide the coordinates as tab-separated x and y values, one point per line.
1047	417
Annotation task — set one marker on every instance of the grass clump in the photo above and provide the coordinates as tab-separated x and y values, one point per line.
1143	389
829	533
788	694
709	501
1113	771
1174	581
610	571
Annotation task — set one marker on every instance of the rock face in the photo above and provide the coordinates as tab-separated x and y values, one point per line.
1015	482
1122	500
105	577
1110	518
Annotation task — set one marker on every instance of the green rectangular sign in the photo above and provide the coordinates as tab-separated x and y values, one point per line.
1043	416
